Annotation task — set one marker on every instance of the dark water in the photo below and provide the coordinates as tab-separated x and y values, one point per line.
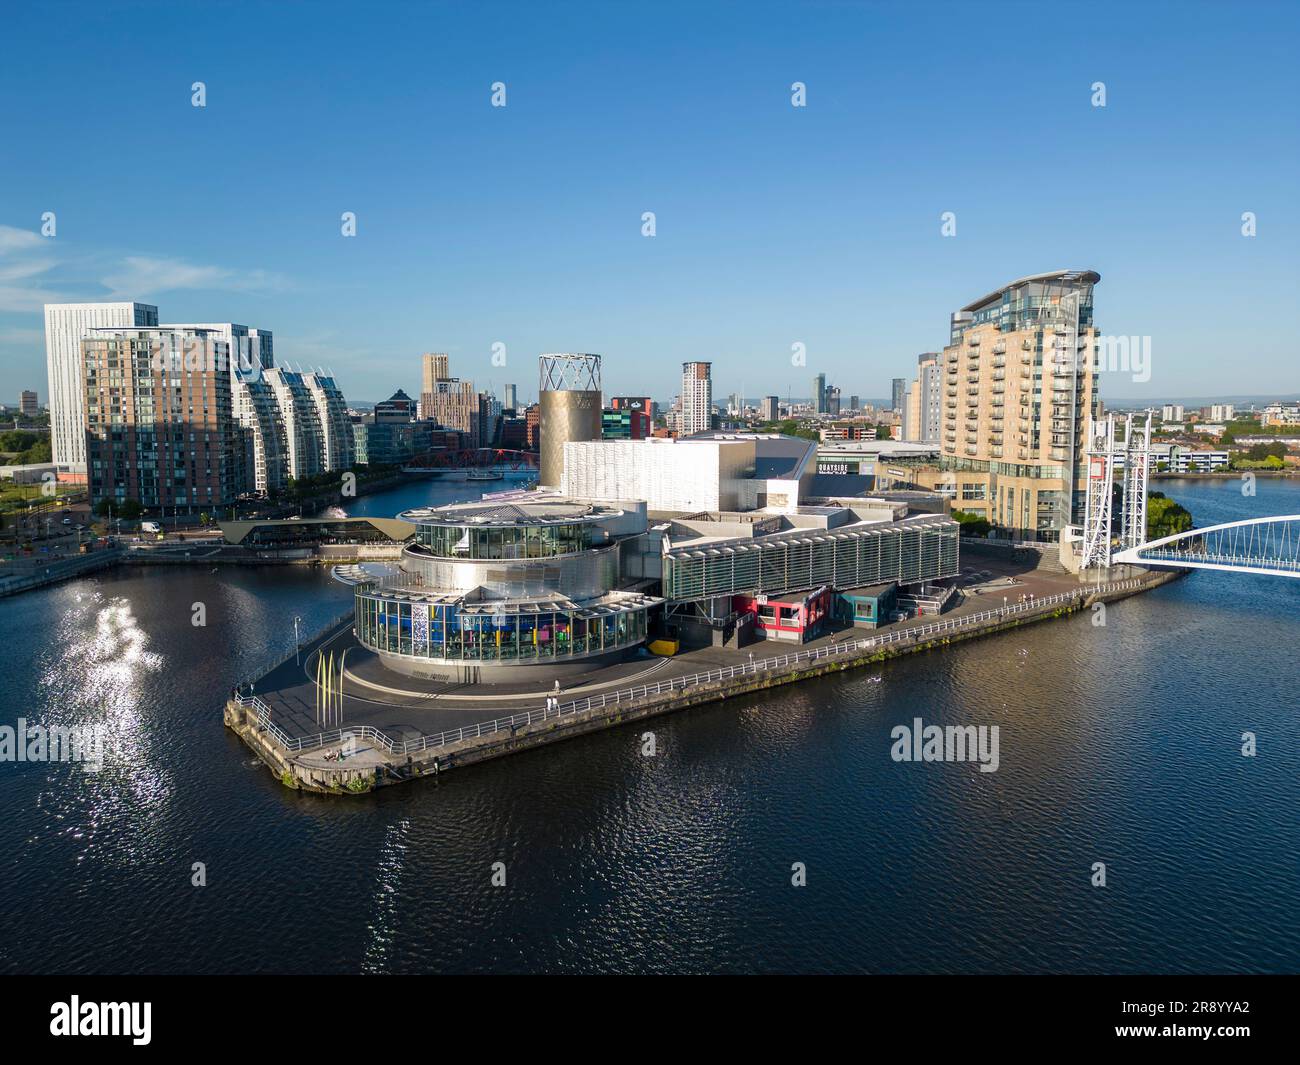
1119	744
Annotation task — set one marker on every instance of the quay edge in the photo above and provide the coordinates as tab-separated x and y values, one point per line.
358	780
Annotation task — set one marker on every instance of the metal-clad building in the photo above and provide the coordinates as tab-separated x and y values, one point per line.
570	400
913	549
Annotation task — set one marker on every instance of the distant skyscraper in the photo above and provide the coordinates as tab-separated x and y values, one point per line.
65	326
900	393
697	397
853	403
770	408
435	367
510	400
819	394
28	404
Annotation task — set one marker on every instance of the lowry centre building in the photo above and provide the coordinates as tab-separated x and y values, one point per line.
726	538
487	587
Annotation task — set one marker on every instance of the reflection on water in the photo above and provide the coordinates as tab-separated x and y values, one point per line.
1118	744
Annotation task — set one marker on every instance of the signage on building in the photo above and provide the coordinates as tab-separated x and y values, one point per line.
837	467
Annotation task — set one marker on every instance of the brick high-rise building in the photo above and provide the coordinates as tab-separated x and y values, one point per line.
159	419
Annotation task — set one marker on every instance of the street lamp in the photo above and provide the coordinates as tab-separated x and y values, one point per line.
297	644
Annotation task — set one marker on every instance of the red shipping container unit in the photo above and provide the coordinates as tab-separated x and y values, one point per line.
795	617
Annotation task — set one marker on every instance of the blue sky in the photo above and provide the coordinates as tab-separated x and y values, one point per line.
775	225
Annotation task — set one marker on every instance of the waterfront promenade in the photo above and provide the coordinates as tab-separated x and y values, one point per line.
395	727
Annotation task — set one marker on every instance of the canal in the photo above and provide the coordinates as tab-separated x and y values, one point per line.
1120	743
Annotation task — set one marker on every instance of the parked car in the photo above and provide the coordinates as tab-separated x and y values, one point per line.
67	521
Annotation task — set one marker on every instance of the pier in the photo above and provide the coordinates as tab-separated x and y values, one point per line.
399	729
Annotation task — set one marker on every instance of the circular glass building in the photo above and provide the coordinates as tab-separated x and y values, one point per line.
489	587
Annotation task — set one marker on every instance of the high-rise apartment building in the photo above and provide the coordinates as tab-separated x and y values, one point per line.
453	404
923	402
251	350
65	326
510	398
697	398
1171	412
449	401
337	448
28	404
1019	390
159	419
769	409
304	447
256	410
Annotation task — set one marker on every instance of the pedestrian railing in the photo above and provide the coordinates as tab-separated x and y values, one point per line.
555	710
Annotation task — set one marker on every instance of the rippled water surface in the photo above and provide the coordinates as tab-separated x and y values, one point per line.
1119	744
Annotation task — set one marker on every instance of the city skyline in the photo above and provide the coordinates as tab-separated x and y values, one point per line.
774	225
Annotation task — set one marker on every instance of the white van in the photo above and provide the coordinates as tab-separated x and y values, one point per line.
150	527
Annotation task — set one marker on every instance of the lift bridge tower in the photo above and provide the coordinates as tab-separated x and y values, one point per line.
1107	453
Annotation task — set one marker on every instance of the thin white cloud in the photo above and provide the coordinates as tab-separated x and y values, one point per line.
23	255
145	275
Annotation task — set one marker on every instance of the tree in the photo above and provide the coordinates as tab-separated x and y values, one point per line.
1165	517
971	524
16	441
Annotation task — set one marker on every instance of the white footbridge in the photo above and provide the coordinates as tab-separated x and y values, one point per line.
1267	546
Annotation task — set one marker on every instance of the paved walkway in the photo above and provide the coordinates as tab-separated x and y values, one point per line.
406	707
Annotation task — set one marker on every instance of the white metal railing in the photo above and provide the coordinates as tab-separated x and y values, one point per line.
554	712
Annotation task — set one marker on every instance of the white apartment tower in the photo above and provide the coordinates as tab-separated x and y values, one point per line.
337	448
304	452
697	398
66	324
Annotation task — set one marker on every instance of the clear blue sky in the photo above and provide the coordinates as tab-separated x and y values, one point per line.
775	225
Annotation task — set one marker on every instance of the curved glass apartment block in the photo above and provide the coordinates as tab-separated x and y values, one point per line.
490	588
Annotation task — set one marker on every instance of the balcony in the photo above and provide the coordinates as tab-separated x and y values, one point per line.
999	347
974	340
